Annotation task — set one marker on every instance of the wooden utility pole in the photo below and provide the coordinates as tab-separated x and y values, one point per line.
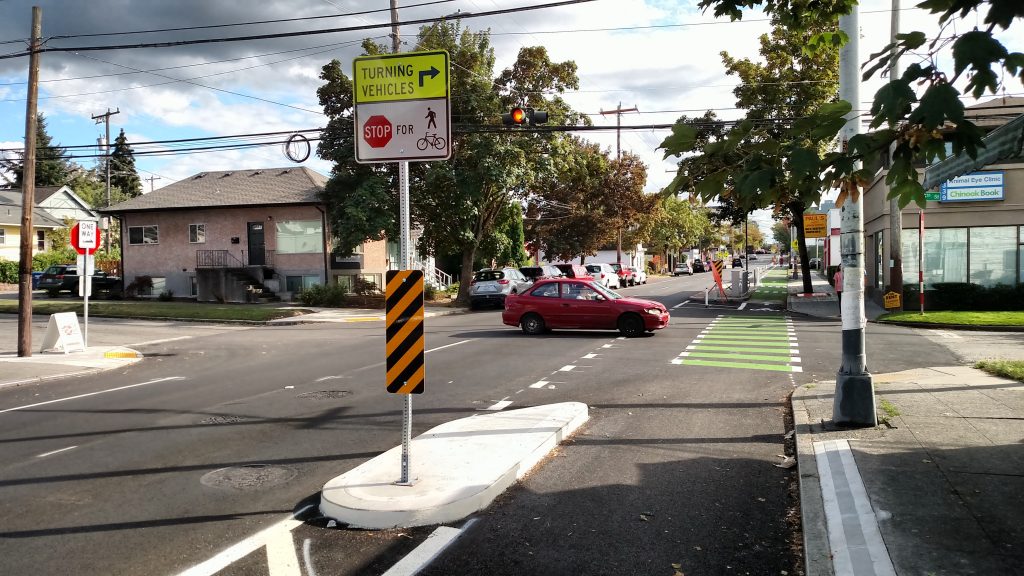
28	191
151	179
105	118
618	156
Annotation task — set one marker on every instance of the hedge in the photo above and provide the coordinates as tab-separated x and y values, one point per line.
8	272
967	296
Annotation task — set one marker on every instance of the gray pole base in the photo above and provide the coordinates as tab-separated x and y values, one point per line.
854	405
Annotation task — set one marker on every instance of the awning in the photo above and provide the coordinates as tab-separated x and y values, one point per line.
1002	143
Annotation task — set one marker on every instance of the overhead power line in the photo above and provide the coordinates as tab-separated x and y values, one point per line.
301	32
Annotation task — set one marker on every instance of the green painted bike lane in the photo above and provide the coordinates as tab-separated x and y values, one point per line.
745	342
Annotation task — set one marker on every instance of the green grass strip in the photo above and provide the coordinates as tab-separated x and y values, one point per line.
760	350
720	364
1013	318
1012	369
783	359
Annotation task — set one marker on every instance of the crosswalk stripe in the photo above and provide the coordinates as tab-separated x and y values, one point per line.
722	364
781	351
746	344
745	338
735	356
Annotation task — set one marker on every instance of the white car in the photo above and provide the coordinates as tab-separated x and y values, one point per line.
605	274
640	277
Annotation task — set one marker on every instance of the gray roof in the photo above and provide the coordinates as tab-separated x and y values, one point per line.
41	193
1003	143
996	112
10	212
231	189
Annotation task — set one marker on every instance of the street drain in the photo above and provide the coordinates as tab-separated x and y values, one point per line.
249	477
325	394
222	420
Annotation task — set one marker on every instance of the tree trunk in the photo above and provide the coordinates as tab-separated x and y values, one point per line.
801	244
466	275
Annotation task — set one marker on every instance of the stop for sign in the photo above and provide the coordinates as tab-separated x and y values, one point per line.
377	131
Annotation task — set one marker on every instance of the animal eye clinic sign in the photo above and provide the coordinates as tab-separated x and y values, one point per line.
976	187
402	110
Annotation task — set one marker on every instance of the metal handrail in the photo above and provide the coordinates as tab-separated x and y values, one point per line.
217	259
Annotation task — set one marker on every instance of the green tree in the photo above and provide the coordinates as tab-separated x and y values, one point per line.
786	83
781	234
567	215
52	165
682	225
917	128
123	174
630	210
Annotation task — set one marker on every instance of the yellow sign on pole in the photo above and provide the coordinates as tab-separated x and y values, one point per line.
815	225
892	300
408	76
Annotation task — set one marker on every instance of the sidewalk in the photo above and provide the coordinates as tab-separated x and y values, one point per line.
355	315
937	488
823	302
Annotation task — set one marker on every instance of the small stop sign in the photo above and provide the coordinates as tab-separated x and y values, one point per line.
377	131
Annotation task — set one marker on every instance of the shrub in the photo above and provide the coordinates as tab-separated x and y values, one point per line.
453	289
966	296
166	296
140	286
332	296
429	291
8	272
43	260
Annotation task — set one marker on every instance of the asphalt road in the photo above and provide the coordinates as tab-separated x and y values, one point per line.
225	432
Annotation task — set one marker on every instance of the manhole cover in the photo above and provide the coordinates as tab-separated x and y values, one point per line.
325	394
249	477
222	420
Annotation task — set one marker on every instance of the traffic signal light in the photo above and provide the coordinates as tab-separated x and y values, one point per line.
522	116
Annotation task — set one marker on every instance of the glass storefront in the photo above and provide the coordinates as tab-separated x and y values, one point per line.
986	256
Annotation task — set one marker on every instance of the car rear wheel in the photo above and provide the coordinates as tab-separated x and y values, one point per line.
631	325
532	324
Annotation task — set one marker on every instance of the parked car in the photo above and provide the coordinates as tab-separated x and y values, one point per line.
683	267
36	276
64	278
573	271
604	274
625	274
639	276
737	263
492	286
534	273
814	263
698	266
581	304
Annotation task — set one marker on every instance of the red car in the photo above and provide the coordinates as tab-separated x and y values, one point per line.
626	275
576	303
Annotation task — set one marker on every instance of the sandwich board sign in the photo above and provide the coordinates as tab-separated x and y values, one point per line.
63	333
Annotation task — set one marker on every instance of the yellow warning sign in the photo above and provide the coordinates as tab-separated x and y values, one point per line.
403	337
392	77
892	300
815	225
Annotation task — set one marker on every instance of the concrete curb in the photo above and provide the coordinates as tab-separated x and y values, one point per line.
817	552
100	362
969	327
458	468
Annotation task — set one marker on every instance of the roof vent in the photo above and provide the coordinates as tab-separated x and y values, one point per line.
285	171
225	175
200	175
256	173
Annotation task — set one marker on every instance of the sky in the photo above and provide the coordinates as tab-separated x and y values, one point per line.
659	56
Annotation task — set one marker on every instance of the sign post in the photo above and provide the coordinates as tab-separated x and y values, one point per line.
85	238
403	113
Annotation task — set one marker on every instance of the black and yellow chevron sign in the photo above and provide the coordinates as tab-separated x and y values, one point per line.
404	331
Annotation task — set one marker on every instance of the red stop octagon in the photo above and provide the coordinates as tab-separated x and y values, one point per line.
377	131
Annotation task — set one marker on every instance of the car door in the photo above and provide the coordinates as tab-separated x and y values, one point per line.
581	306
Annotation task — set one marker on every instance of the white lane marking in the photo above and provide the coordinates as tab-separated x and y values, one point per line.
45	454
520	391
308	557
621	338
796	369
321	379
606	345
678	305
499	405
245	547
425	553
794	359
93	393
449	345
539	384
567	368
590	356
160	341
742	306
281	557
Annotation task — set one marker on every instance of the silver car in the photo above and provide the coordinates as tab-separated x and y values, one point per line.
491	286
604	274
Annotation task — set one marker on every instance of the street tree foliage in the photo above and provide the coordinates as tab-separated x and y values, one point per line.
681	225
123	174
781	234
785	85
916	114
90	185
566	218
632	211
52	164
506	245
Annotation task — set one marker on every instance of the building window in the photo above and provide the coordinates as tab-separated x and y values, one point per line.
144	234
300	237
193	290
993	255
296	284
3	236
945	255
40	241
197	233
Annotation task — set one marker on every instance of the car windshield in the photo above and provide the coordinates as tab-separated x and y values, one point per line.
593	268
604	291
54	270
532	271
489	275
617	267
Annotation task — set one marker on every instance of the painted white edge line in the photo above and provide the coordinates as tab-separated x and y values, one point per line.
244	548
425	553
742	306
678	305
93	393
161	341
539	384
282	559
606	345
794	359
499	405
567	368
590	356
45	454
449	345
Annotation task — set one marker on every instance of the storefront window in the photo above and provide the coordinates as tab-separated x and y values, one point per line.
945	255
879	260
908	239
993	255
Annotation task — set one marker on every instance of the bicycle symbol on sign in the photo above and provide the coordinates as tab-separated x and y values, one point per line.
431	139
